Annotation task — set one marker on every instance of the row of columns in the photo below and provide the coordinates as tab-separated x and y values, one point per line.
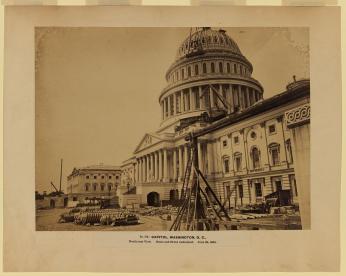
187	100
155	166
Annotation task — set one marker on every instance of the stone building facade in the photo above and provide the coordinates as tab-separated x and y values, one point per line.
100	181
245	155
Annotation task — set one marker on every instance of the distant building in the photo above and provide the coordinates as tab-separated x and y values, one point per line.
100	181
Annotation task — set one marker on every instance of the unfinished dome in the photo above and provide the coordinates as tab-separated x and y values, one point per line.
208	64
209	40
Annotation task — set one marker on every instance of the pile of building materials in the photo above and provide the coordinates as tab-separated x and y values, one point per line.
158	211
96	216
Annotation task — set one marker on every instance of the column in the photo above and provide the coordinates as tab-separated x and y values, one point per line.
192	100
181	165
242	98
169	106
248	96
211	93
156	173
147	171
152	166
174	103
182	109
165	166
201	100
186	156
253	95
137	172
174	164
160	165
200	164
231	97
163	111
210	157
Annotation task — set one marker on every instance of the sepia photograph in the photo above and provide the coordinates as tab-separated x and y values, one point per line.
172	129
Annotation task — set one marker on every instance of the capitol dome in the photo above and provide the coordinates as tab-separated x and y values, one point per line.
209	66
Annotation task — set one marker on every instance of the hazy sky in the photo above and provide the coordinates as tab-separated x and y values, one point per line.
97	88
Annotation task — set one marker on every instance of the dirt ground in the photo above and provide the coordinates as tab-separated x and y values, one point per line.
47	220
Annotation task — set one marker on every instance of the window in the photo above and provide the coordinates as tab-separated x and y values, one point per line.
95	176
272	129
220	67
289	150
204	68
253	135
255	155
212	67
103	177
278	185
87	187
109	186
196	70
275	153
237	160
224	143
240	190
236	140
228	68
109	177
228	191
189	71
117	177
235	68
95	186
182	73
258	189
87	177
226	164
74	198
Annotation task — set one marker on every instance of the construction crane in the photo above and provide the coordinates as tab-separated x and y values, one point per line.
58	192
201	209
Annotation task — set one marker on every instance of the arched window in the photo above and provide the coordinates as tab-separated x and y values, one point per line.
237	161
274	151
235	68
182	73
189	71
109	186
95	186
196	70
102	186
228	68
212	67
204	68
226	164
87	187
220	67
255	155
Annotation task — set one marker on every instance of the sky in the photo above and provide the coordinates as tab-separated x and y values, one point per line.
97	89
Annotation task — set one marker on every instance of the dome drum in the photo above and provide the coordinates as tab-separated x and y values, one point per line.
209	71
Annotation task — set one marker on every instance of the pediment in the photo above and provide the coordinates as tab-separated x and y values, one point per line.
147	141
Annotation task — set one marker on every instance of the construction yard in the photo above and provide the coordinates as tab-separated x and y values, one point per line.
150	219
